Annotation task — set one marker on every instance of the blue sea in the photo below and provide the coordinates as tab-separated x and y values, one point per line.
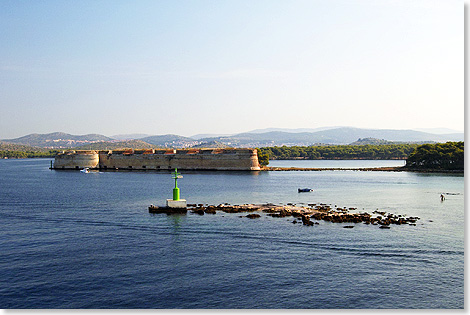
75	240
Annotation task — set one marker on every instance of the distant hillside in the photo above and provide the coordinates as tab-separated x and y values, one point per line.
212	144
438	130
5	146
255	139
343	135
208	135
131	144
132	136
11	150
171	141
371	141
291	130
57	140
347	134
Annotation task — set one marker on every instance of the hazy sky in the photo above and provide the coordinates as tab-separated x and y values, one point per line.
189	67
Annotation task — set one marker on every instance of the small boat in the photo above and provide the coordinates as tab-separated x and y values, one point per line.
304	190
85	170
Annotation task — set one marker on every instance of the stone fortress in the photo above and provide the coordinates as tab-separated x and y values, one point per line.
160	159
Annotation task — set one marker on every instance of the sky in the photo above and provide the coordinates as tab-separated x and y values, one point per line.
191	67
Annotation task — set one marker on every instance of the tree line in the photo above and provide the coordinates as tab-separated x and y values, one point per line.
27	154
340	152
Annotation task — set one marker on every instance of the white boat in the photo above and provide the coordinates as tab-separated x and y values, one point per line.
85	170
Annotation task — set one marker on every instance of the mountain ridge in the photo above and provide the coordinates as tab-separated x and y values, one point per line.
335	136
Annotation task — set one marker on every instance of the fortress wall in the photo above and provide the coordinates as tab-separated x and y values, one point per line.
133	161
167	159
219	161
76	160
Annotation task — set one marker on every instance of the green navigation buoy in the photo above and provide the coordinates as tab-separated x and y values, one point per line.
176	190
178	204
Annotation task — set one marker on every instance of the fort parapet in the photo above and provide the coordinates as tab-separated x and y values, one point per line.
160	159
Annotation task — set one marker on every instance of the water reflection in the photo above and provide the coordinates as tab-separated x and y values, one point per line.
175	221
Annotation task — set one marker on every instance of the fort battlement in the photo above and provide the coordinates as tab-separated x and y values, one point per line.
160	159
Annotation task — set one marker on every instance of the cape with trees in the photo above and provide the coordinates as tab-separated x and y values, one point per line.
440	156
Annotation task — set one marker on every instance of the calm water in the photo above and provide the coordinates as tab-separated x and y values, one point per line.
336	163
74	240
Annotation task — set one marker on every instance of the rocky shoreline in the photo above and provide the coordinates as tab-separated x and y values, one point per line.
300	214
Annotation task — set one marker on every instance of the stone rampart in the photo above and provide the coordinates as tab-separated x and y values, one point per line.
76	160
161	159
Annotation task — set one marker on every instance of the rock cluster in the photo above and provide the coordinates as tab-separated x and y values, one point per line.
342	215
320	212
167	210
227	208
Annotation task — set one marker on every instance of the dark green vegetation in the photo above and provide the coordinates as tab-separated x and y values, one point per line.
27	154
340	152
439	156
9	150
263	157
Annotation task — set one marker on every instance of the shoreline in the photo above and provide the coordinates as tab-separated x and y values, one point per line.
362	169
302	169
282	169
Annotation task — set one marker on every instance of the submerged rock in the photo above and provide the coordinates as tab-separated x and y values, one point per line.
306	220
210	211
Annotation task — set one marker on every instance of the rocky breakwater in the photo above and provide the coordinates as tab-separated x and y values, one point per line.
202	209
167	210
307	215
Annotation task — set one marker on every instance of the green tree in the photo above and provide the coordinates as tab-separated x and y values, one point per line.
444	156
263	157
